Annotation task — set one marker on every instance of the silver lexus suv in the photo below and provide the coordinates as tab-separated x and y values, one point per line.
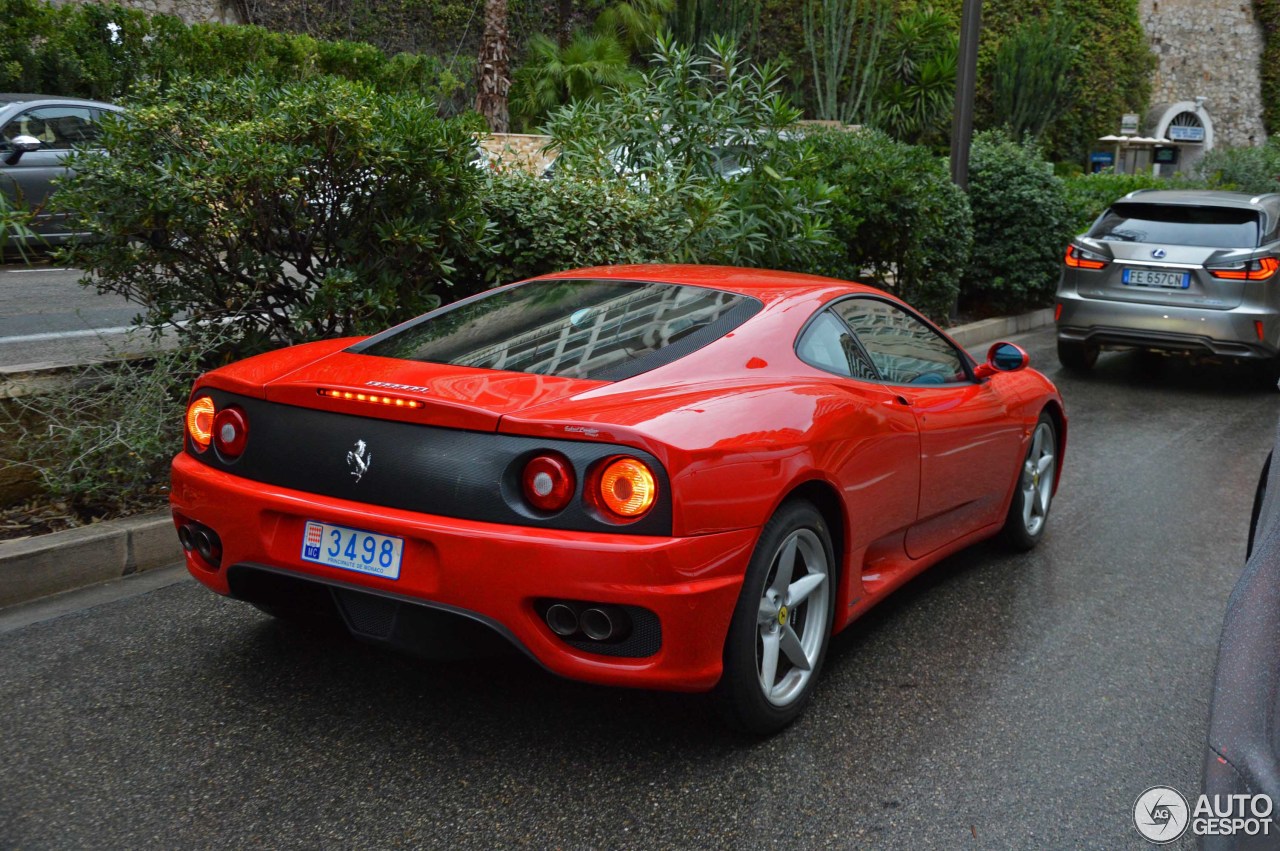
1176	271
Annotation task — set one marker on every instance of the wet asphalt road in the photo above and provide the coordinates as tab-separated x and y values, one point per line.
997	702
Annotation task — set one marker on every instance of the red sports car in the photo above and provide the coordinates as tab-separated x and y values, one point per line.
673	477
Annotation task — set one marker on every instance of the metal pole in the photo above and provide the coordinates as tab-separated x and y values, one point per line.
966	82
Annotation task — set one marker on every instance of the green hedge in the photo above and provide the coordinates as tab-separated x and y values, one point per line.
1112	67
895	216
1021	225
101	51
1268	14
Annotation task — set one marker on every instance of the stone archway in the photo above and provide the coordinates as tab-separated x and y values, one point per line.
1188	125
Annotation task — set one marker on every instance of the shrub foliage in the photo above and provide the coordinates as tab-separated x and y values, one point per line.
1021	224
283	213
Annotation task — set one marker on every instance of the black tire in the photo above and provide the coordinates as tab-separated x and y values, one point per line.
1268	372
741	693
1020	532
1077	356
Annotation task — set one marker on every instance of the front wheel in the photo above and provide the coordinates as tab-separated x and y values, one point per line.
778	636
1029	510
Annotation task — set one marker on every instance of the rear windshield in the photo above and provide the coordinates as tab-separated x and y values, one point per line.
606	330
1212	227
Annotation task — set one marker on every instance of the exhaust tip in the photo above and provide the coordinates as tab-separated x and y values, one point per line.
598	624
562	619
184	538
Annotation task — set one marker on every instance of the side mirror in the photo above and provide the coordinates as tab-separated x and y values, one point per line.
21	145
1002	357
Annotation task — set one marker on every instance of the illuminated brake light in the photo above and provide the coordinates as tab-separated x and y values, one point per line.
627	488
1256	270
371	398
200	422
1079	258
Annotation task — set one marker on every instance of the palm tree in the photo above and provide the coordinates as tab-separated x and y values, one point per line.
582	70
493	68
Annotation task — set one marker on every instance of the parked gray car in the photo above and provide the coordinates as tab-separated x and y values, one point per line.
37	133
1189	272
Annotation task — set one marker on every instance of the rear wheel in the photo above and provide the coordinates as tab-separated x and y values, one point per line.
1077	356
778	636
1029	510
1268	372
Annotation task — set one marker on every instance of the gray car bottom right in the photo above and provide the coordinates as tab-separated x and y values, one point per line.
1176	272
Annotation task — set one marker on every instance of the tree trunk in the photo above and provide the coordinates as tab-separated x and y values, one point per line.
493	76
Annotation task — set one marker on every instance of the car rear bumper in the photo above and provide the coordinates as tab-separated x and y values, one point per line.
487	573
1227	333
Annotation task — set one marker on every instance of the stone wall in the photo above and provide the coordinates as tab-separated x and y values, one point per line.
1210	49
519	149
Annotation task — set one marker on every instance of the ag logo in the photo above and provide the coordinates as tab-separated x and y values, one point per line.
359	460
1160	814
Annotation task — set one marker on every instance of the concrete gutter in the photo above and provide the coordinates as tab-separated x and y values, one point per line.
31	568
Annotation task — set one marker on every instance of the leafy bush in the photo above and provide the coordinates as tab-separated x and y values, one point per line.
702	132
895	216
1021	225
542	226
1089	194
296	212
1245	169
101	51
103	440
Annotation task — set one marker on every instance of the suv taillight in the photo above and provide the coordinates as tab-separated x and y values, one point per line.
1254	270
1080	258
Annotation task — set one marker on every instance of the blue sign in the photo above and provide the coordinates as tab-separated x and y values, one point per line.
1102	158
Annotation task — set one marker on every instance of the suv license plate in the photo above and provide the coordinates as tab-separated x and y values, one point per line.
1157	278
352	549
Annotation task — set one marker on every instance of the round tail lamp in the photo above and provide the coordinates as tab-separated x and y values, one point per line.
200	422
230	432
627	488
548	482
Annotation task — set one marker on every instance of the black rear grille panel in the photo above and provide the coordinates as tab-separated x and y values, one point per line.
447	472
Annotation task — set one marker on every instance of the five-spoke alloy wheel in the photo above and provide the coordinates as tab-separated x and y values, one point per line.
1029	510
779	632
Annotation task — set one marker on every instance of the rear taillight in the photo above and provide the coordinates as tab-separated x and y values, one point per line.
1254	270
548	482
1080	258
200	422
230	432
625	488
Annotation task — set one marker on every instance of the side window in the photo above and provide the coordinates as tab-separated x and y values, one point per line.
904	349
57	127
827	344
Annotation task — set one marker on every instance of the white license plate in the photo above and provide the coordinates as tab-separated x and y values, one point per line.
352	549
1157	278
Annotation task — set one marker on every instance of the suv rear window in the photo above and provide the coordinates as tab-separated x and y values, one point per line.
1212	227
605	330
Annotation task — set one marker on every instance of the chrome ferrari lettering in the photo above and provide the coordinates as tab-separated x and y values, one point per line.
590	432
390	385
359	460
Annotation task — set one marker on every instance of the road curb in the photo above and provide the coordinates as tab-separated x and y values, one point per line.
36	567
991	330
31	568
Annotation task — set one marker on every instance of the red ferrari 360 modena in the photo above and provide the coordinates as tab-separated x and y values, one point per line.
674	477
